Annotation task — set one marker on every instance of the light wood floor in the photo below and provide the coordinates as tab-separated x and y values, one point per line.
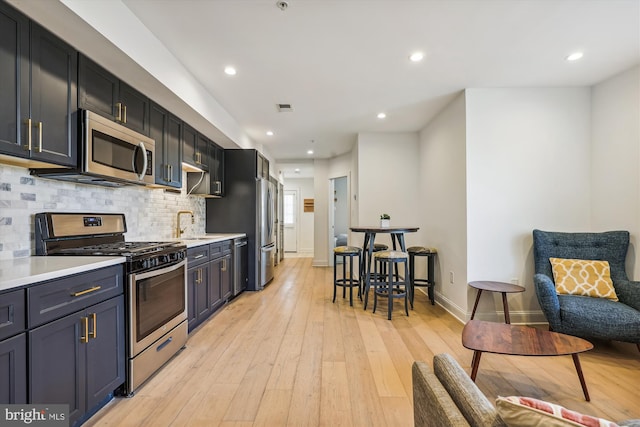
287	356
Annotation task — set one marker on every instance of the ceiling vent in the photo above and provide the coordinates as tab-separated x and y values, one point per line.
284	108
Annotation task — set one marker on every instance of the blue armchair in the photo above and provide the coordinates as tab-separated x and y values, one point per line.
582	316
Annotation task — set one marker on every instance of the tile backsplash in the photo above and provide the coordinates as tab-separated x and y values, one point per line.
150	213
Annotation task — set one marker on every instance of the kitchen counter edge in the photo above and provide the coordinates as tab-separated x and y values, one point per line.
19	272
210	238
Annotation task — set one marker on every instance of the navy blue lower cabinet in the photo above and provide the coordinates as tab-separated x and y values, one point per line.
105	350
79	359
13	362
198	289
57	365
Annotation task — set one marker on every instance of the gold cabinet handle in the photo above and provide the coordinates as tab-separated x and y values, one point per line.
39	137
124	119
224	264
85	325
119	114
86	291
27	146
199	157
94	319
199	279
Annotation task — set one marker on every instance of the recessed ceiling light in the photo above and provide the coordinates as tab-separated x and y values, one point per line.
230	70
416	57
309	151
381	115
269	133
297	170
574	56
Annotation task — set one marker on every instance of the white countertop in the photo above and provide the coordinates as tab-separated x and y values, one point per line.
19	272
205	239
24	271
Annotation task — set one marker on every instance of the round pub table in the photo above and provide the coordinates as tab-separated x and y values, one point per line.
503	288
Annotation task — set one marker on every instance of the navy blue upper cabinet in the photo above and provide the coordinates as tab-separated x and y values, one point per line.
195	148
38	88
166	130
102	92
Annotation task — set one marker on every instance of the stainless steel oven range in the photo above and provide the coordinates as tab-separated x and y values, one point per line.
156	291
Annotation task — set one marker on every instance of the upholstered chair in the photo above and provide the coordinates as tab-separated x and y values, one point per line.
586	316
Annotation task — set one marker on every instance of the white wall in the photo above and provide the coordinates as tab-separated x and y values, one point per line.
442	202
321	223
305	239
387	181
528	166
615	177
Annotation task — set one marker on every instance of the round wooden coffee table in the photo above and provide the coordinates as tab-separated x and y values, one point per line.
503	288
516	340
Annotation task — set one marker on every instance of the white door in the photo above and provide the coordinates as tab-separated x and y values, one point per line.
290	218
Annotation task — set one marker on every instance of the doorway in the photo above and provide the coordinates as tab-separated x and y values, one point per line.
338	214
290	219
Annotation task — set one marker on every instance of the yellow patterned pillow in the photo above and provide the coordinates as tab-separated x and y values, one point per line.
583	277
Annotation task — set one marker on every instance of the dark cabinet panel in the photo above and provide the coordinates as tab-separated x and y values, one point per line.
135	109
79	359
166	130
216	169
209	280
12	313
226	277
202	152
14	80
194	148
60	297
105	349
173	150
198	279
102	92
38	88
215	289
98	88
57	364
13	370
54	100
203	292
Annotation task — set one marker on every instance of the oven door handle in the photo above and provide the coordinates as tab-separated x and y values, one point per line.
145	275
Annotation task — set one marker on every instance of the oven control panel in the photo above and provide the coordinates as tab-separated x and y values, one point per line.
158	261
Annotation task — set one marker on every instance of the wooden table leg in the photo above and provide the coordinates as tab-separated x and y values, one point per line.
473	313
369	239
505	305
576	361
475	363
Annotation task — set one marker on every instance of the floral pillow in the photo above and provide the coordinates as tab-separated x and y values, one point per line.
518	411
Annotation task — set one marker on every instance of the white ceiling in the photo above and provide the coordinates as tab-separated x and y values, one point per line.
340	62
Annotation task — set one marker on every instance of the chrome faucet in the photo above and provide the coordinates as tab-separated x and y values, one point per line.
179	231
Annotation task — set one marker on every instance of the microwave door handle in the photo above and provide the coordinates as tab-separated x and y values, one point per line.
143	150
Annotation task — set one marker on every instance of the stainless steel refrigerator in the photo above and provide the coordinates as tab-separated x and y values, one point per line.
248	206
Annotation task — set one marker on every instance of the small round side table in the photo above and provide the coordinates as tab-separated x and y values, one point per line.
503	288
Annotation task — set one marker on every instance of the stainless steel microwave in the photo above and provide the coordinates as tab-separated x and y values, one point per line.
109	155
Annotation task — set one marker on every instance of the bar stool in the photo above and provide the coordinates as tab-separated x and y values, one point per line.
389	287
366	264
429	281
350	281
